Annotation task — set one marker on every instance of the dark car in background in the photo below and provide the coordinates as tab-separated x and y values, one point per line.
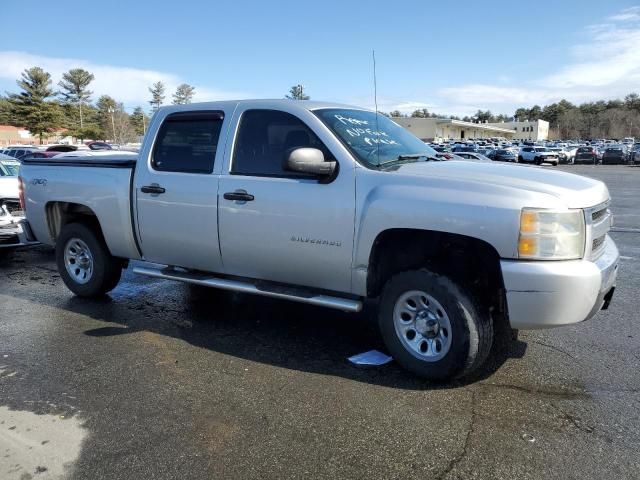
614	155
586	155
502	155
634	156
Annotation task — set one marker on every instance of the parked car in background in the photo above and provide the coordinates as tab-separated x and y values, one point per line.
66	148
464	148
569	154
100	146
537	156
634	156
19	152
472	156
12	233
586	155
502	155
562	154
38	154
614	155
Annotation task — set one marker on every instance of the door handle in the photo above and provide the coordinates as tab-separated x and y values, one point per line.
239	195
152	189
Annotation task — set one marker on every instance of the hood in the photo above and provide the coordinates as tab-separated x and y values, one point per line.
9	187
574	191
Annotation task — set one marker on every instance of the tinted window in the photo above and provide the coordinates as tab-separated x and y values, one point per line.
265	137
187	142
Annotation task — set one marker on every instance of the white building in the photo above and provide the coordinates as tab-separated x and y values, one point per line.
438	129
535	131
430	129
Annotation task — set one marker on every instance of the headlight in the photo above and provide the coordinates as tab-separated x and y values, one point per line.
551	234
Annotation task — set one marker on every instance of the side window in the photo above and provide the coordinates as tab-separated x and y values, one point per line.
187	142
264	139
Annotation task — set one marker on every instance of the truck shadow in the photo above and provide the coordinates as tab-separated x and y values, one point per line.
259	329
280	333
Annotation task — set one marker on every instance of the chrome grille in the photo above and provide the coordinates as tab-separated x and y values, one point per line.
598	214
598	220
597	243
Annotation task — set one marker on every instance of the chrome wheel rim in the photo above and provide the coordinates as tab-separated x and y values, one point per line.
78	261
422	325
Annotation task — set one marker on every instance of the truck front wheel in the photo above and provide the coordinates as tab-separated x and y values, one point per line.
85	264
432	326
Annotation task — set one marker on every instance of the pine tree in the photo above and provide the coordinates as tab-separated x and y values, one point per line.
297	93
74	85
31	108
157	95
139	121
184	94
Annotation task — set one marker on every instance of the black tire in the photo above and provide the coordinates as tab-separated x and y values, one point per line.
471	326
519	160
107	269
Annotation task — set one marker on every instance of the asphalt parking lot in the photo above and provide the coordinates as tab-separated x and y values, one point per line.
159	380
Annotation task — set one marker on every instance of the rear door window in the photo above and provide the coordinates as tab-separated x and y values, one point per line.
187	142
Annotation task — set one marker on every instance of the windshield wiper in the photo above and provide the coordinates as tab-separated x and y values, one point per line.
404	158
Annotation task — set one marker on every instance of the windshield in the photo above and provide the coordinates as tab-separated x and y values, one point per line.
374	139
10	168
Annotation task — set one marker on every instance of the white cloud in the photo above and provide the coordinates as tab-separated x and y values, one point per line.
606	65
125	84
627	15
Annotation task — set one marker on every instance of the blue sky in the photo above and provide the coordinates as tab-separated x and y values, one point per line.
450	57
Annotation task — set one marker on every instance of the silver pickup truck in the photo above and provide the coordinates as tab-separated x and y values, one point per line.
332	205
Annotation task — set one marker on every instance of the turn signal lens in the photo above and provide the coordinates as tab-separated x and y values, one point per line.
551	234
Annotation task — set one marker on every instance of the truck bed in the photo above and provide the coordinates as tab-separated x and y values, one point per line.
102	182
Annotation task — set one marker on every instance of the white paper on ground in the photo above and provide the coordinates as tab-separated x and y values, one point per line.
372	357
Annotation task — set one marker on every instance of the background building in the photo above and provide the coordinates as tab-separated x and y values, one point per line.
536	130
430	129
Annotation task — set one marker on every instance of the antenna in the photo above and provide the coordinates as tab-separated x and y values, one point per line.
375	82
375	100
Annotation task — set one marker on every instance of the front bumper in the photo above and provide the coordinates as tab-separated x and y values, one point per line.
545	294
15	232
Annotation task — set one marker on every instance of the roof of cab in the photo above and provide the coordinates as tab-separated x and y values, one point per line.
260	103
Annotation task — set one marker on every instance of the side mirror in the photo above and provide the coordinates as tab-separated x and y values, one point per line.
310	161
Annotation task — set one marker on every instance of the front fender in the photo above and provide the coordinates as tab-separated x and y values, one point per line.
485	212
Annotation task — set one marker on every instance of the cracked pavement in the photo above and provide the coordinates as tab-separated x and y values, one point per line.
160	380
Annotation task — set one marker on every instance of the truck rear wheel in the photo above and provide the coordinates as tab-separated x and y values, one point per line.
432	326
85	264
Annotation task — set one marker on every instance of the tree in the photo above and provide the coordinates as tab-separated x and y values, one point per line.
5	111
632	102
102	119
139	121
123	131
157	95
297	93
396	114
74	85
31	108
184	94
420	113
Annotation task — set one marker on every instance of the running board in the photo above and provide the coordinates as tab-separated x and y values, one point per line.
263	289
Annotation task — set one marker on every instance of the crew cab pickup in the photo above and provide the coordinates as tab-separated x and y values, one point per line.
332	205
538	155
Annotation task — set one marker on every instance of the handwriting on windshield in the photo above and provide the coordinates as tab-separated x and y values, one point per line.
360	128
